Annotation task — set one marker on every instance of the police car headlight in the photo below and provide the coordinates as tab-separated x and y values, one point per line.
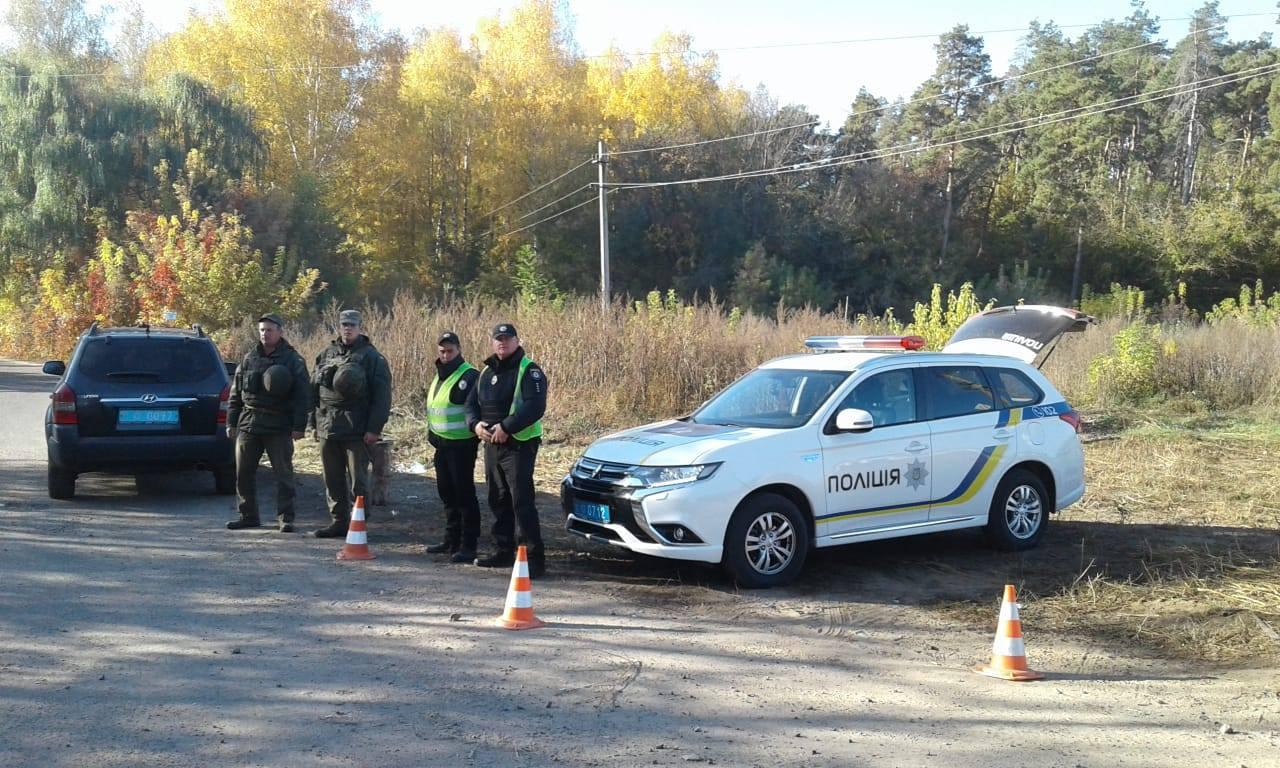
657	477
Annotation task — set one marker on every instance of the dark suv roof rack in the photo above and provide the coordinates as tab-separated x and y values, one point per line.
198	329
93	329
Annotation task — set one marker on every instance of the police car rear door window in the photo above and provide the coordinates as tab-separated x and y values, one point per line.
954	390
148	359
1013	388
771	398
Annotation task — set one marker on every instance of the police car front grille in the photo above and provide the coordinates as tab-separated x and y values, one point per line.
597	472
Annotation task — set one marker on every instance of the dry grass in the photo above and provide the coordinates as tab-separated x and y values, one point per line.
1184	558
1201	605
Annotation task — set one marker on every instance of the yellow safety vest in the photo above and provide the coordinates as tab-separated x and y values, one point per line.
444	419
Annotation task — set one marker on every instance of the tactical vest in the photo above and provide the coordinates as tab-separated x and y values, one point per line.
445	419
330	396
253	390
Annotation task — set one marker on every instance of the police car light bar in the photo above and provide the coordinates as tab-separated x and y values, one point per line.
864	343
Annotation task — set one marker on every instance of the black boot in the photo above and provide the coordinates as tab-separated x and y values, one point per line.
503	558
286	526
466	554
537	564
332	532
448	545
244	522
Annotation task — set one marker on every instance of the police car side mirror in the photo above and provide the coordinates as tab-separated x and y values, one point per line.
231	367
854	420
55	368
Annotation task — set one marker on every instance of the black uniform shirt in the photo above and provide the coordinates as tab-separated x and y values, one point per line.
490	399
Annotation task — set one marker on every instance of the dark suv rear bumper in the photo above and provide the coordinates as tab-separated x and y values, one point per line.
69	450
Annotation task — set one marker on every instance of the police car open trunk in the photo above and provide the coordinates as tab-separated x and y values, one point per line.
1027	333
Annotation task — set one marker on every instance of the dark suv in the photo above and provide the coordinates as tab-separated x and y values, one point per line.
137	400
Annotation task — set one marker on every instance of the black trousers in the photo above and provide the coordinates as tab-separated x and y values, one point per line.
345	462
455	463
279	449
508	469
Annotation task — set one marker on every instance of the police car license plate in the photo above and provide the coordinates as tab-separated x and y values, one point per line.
151	416
596	513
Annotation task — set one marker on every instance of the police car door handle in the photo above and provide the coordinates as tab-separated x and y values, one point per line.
1002	434
916	447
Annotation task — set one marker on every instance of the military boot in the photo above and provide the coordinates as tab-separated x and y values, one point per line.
243	522
503	558
537	563
333	531
466	553
449	546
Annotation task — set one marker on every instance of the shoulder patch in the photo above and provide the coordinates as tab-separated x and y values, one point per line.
535	374
462	384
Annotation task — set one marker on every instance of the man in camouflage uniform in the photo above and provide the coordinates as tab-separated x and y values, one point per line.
270	399
353	401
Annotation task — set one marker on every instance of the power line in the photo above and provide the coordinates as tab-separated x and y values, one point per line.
586	162
713	141
979	134
586	202
554	202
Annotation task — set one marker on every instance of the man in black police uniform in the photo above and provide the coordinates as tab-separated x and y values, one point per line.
456	446
353	401
270	398
505	411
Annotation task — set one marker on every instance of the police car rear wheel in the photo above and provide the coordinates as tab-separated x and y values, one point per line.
1019	512
767	542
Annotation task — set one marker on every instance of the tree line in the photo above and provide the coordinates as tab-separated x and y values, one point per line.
291	151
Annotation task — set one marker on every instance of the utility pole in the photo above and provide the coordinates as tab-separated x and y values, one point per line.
605	292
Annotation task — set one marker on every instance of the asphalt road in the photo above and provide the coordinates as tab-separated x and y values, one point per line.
136	631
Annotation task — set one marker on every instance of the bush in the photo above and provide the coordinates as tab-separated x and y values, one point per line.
1128	374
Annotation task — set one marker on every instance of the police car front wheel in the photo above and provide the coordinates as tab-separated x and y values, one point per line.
766	543
1019	512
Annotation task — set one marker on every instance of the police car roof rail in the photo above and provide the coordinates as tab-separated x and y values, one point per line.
198	329
93	329
864	343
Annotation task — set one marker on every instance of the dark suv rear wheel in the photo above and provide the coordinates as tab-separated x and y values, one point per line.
62	482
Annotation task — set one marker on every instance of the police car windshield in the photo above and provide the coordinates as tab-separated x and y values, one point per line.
770	398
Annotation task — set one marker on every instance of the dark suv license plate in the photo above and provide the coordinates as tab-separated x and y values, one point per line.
148	417
586	510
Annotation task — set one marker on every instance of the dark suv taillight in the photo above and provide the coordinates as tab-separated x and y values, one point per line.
64	405
1072	418
224	403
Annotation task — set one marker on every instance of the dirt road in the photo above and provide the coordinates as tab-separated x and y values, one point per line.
136	631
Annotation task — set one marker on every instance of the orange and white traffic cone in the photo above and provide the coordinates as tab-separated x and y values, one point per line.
1008	654
519	613
357	546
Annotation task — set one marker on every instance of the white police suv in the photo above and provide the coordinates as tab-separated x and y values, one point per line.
870	440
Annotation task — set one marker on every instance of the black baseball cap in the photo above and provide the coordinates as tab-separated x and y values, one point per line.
272	318
449	337
504	329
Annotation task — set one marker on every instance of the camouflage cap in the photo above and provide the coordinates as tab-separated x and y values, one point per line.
350	316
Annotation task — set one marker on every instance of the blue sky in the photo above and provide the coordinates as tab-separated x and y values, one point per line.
823	77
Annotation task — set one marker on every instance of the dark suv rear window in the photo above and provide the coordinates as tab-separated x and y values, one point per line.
155	359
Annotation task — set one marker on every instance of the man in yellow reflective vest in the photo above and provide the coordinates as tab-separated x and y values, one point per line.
456	446
505	411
